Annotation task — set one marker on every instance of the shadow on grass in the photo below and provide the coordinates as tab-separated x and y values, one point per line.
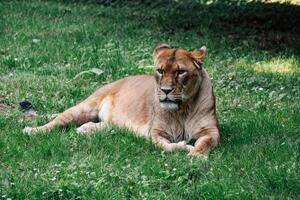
269	26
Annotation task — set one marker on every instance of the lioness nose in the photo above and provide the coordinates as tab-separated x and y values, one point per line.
166	90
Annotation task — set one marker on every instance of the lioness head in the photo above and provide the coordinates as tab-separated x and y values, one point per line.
177	74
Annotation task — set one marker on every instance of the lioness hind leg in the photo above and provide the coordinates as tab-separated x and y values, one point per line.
58	121
91	127
78	114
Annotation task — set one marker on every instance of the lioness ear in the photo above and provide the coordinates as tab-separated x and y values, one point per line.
158	49
198	55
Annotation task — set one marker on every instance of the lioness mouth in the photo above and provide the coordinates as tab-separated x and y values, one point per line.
167	101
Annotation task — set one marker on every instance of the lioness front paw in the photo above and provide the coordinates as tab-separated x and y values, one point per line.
184	146
189	147
86	128
29	130
181	145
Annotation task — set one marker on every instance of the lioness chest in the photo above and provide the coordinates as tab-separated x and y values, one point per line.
131	103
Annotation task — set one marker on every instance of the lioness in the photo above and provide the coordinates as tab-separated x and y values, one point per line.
173	107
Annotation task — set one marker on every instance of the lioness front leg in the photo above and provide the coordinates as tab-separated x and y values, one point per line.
159	138
207	140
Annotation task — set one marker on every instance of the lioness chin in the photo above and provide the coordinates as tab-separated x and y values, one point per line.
172	107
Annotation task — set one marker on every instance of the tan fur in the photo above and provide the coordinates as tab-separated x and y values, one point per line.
173	107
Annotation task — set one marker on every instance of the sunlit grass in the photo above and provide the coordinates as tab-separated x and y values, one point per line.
276	65
294	2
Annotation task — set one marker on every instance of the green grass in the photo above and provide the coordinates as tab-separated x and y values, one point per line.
254	60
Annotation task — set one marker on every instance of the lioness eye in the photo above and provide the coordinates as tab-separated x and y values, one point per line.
160	71
180	72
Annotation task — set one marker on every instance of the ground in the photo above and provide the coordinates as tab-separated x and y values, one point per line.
56	53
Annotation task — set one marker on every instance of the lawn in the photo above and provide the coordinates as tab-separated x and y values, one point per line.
254	61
